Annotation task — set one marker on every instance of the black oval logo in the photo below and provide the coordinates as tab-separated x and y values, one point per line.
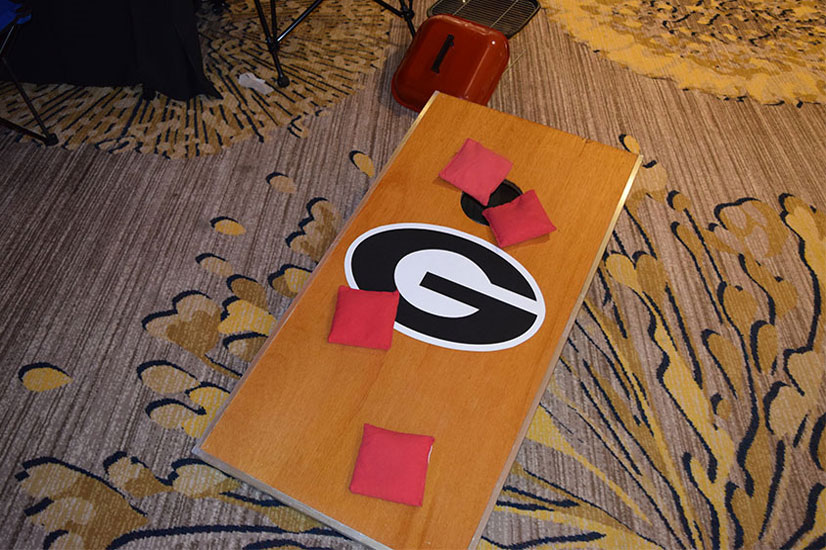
456	290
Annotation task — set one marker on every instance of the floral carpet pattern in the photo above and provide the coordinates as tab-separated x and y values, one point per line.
110	507
769	50
325	58
728	479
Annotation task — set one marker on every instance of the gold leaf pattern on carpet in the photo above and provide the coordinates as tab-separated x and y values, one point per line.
165	378
246	320
712	410
363	163
326	58
770	50
133	477
289	279
651	180
249	290
191	412
192	324
318	230
77	509
601	529
242	316
227	226
196	480
244	346
40	377
185	402
282	182
196	323
215	264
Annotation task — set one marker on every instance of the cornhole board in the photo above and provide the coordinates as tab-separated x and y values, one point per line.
293	424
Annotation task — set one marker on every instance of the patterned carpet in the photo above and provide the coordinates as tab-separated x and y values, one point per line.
771	51
687	410
325	58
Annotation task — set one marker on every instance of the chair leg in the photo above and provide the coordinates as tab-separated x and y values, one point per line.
46	137
407	14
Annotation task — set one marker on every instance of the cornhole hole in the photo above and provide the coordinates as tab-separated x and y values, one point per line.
478	330
454	56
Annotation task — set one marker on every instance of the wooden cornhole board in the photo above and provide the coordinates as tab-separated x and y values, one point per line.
292	426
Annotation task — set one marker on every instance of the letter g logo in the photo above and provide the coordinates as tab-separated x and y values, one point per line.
456	290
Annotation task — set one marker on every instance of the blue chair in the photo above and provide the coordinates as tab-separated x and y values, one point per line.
13	14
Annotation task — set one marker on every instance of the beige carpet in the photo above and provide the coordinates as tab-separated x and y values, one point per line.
688	408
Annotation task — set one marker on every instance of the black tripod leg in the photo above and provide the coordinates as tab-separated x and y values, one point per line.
272	43
282	80
46	137
406	12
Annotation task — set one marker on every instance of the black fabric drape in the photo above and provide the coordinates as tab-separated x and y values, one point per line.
113	42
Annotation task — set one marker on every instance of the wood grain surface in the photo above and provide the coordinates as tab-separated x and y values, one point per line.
292	426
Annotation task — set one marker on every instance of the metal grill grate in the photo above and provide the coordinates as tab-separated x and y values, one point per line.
506	16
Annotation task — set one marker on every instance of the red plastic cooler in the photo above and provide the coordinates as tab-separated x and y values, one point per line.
454	56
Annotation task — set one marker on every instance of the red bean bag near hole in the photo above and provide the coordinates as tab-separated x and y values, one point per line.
476	170
521	219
